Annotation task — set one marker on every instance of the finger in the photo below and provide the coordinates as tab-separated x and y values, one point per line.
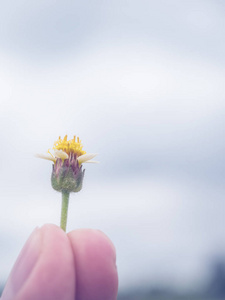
95	261
44	269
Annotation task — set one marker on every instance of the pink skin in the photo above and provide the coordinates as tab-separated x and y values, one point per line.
59	266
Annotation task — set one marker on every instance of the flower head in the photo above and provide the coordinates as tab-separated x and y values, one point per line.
68	157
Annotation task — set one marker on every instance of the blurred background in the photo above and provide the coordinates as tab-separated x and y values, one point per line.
142	84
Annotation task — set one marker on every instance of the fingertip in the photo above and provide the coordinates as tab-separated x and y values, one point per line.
95	261
46	263
53	230
109	243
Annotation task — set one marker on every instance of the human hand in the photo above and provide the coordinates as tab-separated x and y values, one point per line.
54	265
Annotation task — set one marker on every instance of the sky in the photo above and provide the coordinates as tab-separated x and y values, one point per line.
142	84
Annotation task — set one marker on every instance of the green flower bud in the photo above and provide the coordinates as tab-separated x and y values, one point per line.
67	175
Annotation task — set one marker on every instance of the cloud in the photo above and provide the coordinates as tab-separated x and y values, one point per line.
48	29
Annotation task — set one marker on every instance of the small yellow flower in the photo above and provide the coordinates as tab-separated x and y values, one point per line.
63	148
67	174
68	157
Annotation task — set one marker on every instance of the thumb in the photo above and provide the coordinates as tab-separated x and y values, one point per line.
44	269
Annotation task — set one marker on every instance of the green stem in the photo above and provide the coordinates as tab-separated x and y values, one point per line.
64	210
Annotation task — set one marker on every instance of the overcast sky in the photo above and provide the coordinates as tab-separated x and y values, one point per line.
142	84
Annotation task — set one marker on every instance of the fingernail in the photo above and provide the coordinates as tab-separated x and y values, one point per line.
23	266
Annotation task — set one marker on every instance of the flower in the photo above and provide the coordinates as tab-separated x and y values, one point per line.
67	174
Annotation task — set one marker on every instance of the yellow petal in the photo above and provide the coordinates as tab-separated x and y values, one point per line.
61	154
86	157
92	161
45	156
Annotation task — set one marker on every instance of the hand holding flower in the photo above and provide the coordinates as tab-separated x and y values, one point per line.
54	265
